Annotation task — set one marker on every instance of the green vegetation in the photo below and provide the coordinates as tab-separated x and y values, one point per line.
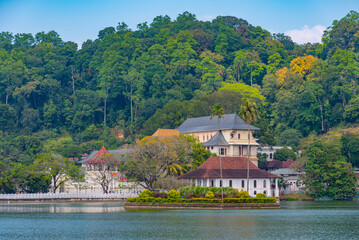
202	195
58	99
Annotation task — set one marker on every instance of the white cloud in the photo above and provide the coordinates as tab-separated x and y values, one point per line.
306	34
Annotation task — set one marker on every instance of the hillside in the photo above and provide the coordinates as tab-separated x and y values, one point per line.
127	83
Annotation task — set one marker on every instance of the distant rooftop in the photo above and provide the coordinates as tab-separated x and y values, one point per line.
203	124
96	156
166	133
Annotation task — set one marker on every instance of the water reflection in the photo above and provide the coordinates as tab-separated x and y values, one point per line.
62	208
295	220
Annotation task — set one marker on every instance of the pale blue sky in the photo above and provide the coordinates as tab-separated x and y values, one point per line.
79	20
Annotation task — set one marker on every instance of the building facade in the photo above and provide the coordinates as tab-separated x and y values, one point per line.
227	136
234	174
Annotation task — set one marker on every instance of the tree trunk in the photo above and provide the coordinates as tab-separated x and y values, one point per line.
248	149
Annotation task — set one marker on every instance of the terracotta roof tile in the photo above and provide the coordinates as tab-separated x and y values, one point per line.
232	167
166	133
98	158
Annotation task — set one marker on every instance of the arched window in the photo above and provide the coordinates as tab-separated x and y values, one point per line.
212	183
255	193
230	183
265	192
271	156
255	183
264	183
220	183
242	183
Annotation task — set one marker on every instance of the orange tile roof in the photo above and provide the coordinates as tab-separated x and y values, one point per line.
232	167
166	133
98	158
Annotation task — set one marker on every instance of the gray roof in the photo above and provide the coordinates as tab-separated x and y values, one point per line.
217	140
118	152
203	124
286	171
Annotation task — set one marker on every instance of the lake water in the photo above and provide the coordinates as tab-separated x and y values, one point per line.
295	220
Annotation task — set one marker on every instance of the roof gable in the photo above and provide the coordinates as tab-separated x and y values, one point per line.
166	133
217	140
232	167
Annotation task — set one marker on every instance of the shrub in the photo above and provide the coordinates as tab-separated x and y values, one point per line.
261	195
230	192
145	193
220	195
160	195
209	195
203	200
188	196
173	194
243	194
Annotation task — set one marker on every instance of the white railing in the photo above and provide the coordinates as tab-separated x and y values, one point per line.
40	196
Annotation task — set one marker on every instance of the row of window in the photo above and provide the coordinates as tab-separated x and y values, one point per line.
230	183
206	138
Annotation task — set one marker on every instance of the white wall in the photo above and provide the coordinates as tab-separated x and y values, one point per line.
237	183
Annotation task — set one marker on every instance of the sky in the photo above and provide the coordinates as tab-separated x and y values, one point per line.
79	20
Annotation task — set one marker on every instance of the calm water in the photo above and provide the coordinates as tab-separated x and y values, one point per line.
295	220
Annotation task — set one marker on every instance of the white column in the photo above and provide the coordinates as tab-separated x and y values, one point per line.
276	190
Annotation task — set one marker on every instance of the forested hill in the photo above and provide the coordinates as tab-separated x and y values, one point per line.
56	97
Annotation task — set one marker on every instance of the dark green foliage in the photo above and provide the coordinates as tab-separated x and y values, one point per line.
327	172
202	191
284	154
350	149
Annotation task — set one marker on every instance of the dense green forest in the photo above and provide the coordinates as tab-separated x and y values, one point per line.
57	97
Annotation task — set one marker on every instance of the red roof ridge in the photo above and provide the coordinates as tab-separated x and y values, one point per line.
98	156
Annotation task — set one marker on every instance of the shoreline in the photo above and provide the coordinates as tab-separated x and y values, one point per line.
149	205
4	201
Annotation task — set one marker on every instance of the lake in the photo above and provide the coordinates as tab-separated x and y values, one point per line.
295	220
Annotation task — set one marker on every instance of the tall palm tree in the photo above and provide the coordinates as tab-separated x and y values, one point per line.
219	111
249	113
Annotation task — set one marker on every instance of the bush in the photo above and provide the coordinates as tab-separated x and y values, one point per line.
202	191
188	196
173	194
209	195
203	200
159	195
261	195
243	194
220	196
146	193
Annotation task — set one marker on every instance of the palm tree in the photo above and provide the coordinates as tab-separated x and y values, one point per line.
249	113
219	111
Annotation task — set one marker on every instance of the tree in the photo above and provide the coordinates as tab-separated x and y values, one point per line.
58	168
327	172
249	113
104	170
219	111
284	154
350	149
153	157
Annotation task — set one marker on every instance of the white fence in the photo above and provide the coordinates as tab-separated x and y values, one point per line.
40	196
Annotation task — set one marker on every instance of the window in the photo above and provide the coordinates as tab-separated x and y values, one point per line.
204	138
239	136
242	183
255	183
212	183
223	151
255	193
230	183
207	137
271	156
220	183
264	184
212	148
232	135
265	192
